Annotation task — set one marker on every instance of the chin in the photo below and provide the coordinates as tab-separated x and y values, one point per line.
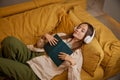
74	35
77	37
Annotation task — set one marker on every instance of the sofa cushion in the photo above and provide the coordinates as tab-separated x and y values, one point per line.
30	25
65	25
92	56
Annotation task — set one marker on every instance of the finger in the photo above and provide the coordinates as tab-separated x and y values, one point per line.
50	43
55	39
62	58
62	53
54	42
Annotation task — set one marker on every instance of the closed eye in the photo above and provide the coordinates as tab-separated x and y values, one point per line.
83	30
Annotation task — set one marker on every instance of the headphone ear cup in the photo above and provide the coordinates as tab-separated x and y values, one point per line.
87	39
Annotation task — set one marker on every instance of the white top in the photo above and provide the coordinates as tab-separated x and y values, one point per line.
45	68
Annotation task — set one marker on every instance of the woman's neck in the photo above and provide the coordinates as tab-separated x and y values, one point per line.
73	40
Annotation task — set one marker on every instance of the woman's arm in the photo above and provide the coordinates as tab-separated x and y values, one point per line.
74	73
41	42
76	61
73	70
34	49
38	47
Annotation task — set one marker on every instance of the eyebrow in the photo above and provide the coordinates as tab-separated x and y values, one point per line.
82	28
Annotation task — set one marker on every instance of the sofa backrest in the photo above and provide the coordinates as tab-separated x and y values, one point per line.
29	5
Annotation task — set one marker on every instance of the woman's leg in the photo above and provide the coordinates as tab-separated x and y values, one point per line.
14	49
17	70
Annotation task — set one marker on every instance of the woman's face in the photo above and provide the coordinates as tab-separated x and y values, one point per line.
80	31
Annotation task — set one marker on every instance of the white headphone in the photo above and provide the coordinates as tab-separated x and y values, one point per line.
88	38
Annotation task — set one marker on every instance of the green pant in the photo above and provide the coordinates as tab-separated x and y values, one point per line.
14	55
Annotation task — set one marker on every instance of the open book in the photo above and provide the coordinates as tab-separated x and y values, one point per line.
53	51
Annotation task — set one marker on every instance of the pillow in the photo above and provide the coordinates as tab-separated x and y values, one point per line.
92	56
65	25
74	18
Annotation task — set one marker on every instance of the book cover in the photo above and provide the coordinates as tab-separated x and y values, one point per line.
53	51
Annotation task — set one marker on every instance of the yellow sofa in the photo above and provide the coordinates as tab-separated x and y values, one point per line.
30	20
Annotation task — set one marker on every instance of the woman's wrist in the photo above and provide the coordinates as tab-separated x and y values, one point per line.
72	62
46	35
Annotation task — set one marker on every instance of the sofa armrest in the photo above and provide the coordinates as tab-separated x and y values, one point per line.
111	61
99	73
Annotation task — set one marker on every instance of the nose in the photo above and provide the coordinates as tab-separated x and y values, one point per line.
78	30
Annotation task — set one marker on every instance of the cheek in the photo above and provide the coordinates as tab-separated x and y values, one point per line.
82	36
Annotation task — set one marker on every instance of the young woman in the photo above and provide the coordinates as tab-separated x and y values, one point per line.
18	57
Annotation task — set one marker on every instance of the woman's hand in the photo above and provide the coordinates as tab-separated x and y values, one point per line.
64	56
52	40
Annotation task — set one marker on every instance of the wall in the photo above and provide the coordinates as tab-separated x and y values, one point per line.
11	2
112	8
